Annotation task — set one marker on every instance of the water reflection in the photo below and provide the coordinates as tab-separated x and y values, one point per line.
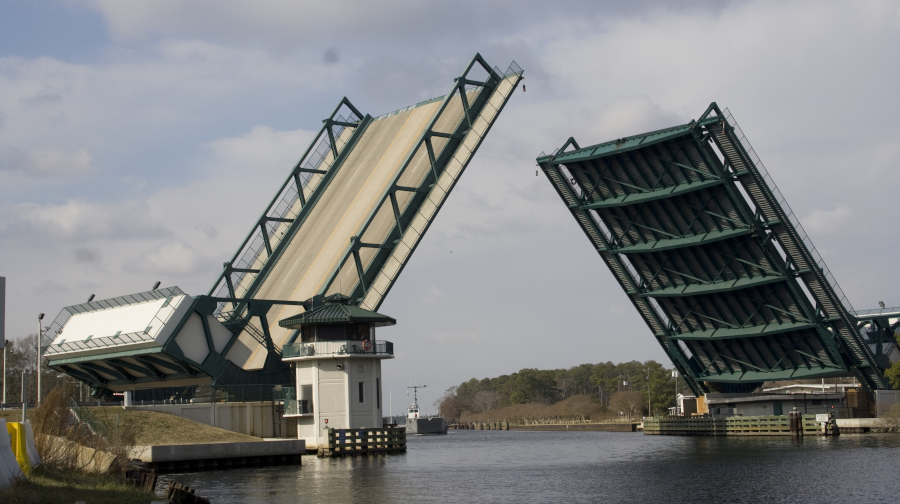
511	466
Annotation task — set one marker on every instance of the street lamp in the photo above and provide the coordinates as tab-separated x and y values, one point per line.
38	368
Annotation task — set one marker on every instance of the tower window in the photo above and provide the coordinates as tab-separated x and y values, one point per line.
361	392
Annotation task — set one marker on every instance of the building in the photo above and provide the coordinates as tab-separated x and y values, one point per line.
851	403
337	364
685	405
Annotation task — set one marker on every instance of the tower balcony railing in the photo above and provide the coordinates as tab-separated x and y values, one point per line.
346	348
297	407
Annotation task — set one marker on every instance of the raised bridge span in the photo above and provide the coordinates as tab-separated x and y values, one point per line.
702	242
345	220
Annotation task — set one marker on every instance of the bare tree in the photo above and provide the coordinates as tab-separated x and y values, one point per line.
449	405
485	399
629	403
566	386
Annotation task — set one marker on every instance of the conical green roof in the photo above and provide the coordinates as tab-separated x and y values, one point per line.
337	309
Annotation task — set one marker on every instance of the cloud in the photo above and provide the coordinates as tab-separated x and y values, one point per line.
828	222
172	257
48	162
178	176
88	255
263	149
79	220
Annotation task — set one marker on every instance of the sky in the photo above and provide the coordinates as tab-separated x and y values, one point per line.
140	140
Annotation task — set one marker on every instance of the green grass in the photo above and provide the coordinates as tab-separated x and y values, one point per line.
47	486
156	428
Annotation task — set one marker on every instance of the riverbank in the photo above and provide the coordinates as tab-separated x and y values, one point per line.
48	486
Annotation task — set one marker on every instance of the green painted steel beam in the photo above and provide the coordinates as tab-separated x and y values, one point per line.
104	356
713	288
744	332
677	243
624	144
760	376
657	194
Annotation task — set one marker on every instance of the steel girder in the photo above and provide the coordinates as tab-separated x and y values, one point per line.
700	240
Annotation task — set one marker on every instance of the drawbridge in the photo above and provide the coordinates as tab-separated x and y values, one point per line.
710	254
345	221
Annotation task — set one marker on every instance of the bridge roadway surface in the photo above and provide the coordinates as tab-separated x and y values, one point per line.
351	197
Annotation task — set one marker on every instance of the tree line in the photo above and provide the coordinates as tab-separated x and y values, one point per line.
628	389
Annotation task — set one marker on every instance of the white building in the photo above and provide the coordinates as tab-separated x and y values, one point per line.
337	363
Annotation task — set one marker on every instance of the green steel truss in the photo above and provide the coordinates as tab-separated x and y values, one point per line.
264	245
376	276
700	239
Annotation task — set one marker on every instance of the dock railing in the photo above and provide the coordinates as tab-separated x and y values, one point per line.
767	425
364	441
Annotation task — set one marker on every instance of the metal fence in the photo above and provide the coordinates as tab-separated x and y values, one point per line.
84	416
209	394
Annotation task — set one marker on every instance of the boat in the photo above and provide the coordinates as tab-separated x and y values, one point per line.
416	425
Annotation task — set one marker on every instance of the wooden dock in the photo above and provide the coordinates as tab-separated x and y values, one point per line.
770	425
353	442
578	427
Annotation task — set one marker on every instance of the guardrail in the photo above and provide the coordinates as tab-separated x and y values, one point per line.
343	347
297	407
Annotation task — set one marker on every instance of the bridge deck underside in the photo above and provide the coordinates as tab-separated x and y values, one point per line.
721	283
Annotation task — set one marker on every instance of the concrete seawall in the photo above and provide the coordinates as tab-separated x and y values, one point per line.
165	458
603	427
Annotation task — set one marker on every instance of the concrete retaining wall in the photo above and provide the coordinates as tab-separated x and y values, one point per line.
178	453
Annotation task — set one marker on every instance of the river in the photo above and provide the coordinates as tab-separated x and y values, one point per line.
520	467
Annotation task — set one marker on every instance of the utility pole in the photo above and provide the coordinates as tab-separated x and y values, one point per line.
24	395
38	368
5	347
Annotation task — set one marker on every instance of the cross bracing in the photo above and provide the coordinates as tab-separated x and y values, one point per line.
701	240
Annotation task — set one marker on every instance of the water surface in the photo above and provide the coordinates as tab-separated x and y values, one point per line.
516	466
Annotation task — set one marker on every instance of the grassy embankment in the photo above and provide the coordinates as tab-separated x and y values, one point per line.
59	482
155	428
